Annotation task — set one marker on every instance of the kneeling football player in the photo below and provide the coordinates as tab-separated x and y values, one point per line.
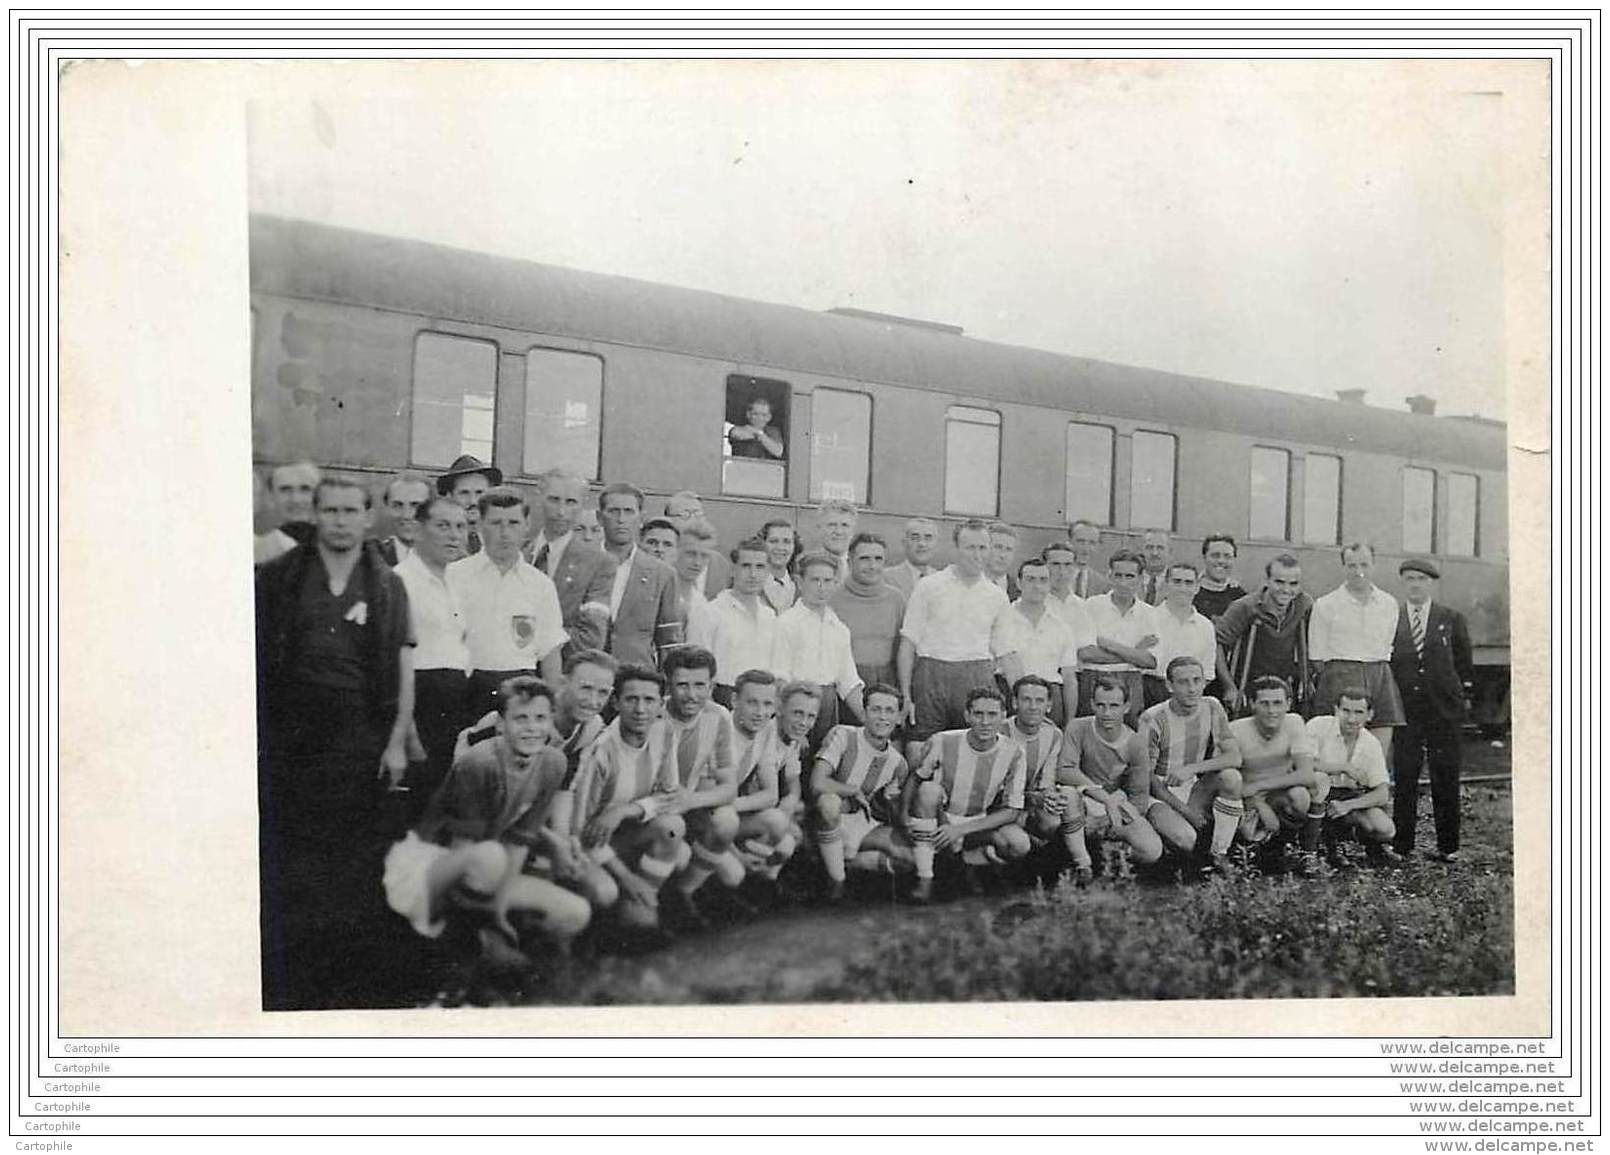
857	765
965	796
1279	785
1113	793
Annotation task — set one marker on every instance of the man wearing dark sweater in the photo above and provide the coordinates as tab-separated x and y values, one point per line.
872	608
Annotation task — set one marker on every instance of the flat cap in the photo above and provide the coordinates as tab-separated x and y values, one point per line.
1419	565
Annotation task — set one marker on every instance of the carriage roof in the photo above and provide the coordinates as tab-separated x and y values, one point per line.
302	259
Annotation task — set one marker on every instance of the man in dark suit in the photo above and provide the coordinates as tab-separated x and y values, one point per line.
642	601
1431	664
681	509
582	574
1088	580
406	493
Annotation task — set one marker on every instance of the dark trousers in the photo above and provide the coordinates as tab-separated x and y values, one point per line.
441	701
322	834
484	690
1426	737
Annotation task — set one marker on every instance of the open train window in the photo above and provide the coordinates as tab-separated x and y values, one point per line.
972	461
754	437
841	445
1088	496
1151	479
1322	499
564	396
455	397
1463	538
1269	505
1419	509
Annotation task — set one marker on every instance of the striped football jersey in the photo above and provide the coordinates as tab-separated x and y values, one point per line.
1169	740
613	773
1041	751
758	757
704	746
855	761
974	781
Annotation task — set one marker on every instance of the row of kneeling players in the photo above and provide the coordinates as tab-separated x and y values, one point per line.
679	808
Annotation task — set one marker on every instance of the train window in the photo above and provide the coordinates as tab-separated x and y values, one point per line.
1089	473
841	445
1270	504
754	437
972	461
1151	479
1464	509
455	391
564	395
1419	509
1322	500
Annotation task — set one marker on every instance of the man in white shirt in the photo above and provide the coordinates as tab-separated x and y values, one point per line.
1125	631
685	508
1062	566
1002	553
945	649
1031	638
441	654
1182	631
814	646
1347	754
920	541
1350	636
515	625
737	625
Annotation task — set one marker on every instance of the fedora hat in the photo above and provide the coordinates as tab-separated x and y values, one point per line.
468	464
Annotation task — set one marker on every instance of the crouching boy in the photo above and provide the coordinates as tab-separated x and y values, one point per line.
1279	785
471	848
966	794
766	838
1114	790
855	767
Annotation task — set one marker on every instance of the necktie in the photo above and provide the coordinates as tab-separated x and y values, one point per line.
1080	585
1417	627
542	558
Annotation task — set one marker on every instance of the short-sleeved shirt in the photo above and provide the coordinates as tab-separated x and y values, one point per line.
1045	647
975	781
1125	626
437	618
950	620
1366	767
816	648
1105	763
740	638
704	746
1168	740
855	760
614	773
1343	628
1042	750
1270	757
492	794
1192	638
513	616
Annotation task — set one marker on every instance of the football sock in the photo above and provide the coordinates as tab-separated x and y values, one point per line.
922	836
1227	814
1073	833
831	843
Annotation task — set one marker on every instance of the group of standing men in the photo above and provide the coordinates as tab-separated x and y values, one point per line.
664	714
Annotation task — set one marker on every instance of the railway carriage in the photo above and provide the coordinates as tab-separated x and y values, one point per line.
371	354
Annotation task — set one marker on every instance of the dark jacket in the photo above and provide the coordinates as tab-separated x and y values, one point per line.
585	575
1256	640
279	585
1436	678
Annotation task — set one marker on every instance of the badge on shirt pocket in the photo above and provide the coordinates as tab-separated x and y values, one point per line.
525	629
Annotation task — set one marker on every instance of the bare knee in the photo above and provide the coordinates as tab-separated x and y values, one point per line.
828	809
1299	799
567	915
600	889
484	866
930	796
1230	782
665	832
773	824
722	828
1012	841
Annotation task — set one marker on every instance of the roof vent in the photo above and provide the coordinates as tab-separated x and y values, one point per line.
892	319
1350	396
1420	403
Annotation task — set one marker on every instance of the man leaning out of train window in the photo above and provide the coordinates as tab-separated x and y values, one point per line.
757	436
